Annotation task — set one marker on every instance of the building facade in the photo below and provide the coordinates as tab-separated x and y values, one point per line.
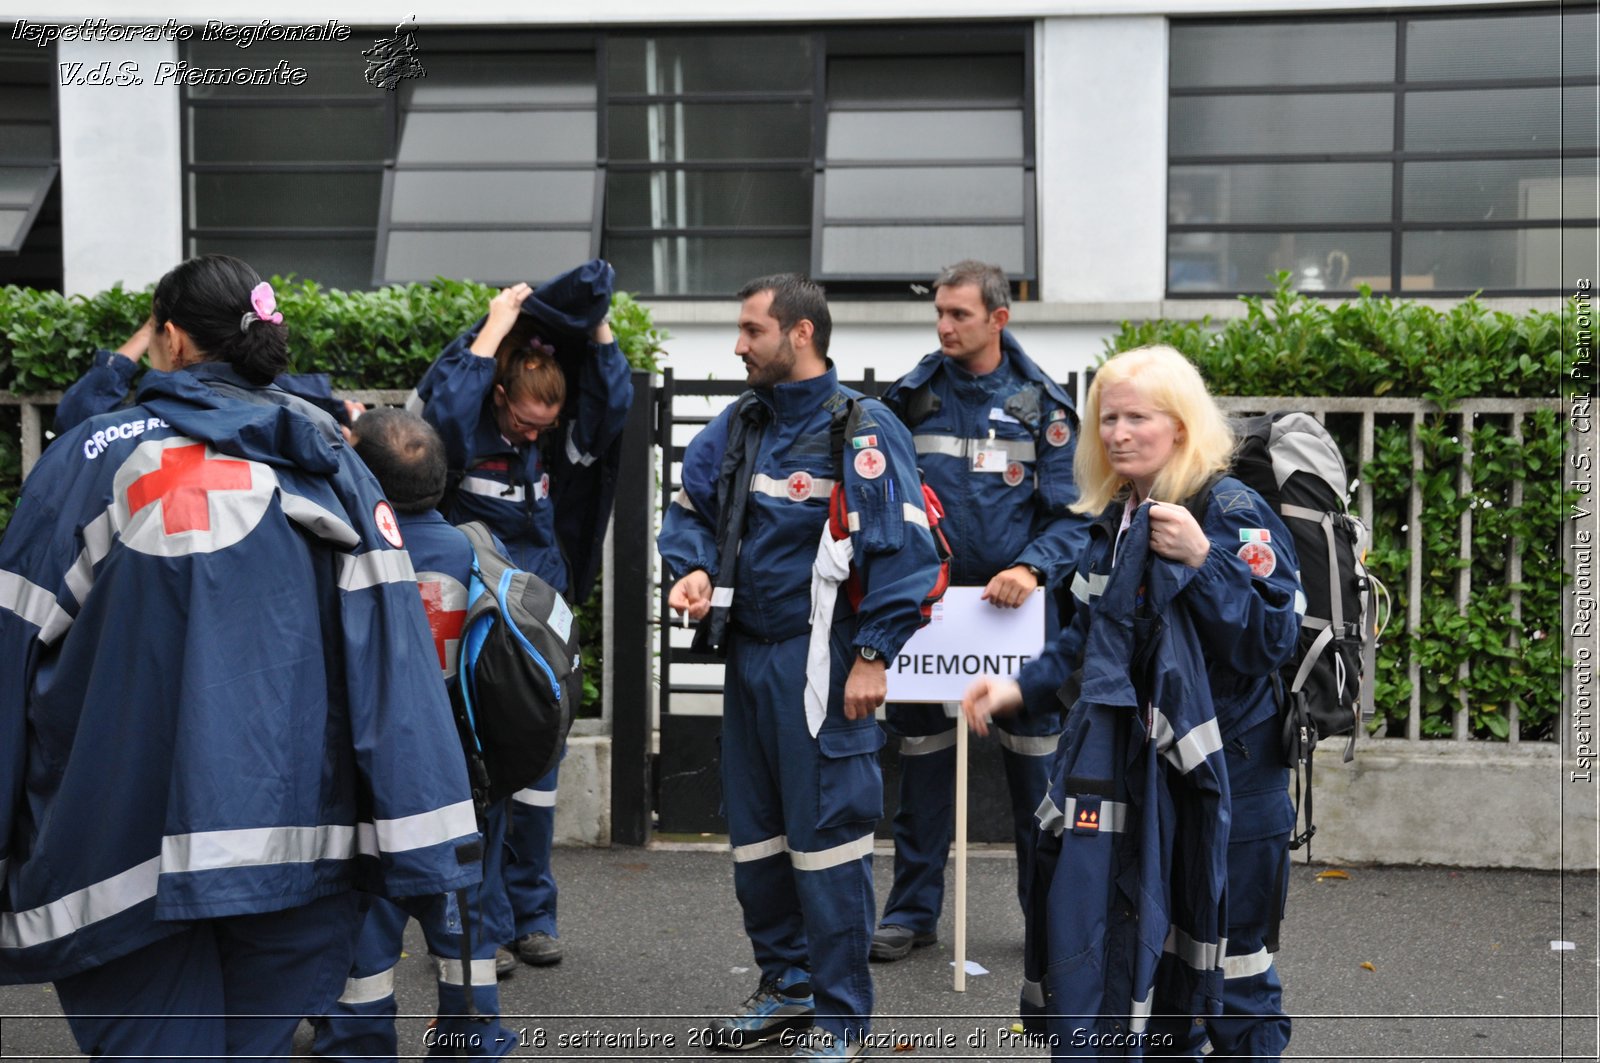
1126	159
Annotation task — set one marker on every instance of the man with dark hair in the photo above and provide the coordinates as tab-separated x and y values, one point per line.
995	437
757	563
408	458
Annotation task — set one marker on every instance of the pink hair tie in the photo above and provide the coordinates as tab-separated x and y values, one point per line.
264	306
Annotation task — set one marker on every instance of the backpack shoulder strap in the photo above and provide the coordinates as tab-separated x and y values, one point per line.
487	558
1200	501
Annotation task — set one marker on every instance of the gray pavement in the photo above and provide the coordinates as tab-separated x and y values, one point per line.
1389	963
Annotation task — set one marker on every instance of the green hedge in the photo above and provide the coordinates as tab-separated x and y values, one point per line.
1290	344
376	339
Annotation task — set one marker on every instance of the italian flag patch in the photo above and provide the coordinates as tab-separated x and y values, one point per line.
1254	535
862	442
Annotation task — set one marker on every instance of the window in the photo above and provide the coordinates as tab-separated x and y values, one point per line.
30	203
496	173
287	177
922	167
710	153
1442	154
693	161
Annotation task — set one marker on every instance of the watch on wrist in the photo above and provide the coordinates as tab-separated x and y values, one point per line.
867	653
1038	573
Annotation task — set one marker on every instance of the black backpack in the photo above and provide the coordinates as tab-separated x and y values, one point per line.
1290	460
520	673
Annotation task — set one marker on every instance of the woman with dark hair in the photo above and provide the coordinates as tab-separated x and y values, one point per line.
1185	605
224	710
531	404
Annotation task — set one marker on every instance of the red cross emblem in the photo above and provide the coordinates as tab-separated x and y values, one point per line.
182	484
870	464
1014	474
799	486
444	621
1058	433
388	527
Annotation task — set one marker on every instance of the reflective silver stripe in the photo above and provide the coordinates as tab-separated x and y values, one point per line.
760	850
97	539
1086	590
322	523
961	447
1113	816
450	971
1049	816
35	605
255	847
536	798
68	914
368	990
1033	993
366	839
721	597
762	484
427	828
909	513
1201	955
682	498
826	858
1258	962
576	456
359	572
1029	745
482	485
922	745
1191	751
1139	1013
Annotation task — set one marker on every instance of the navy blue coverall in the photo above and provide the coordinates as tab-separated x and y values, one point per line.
999	512
801	809
1245	602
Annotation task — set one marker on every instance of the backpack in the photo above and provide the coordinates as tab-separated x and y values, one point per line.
844	425
520	674
1292	462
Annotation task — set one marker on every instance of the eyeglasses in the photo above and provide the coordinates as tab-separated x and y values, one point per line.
521	427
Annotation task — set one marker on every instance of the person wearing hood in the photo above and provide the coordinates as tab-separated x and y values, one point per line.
995	438
199	761
531	403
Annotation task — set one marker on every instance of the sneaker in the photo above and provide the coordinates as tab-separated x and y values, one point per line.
893	942
767	1012
538	949
820	1044
505	962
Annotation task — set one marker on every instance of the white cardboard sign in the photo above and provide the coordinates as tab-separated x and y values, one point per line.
967	638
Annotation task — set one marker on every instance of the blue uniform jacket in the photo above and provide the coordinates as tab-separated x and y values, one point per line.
1012	512
219	691
548	505
108	383
788	508
1128	906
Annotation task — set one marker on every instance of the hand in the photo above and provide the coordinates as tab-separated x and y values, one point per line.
1010	587
989	697
135	346
866	689
504	309
692	595
1175	535
601	333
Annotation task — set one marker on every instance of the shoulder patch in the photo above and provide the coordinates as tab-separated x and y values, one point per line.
870	464
1235	501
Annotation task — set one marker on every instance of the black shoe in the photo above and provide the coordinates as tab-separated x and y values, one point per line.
891	942
538	949
505	963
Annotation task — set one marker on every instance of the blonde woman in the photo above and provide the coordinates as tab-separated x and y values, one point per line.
1219	565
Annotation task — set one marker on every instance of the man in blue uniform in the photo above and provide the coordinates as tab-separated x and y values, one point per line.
995	437
749	542
407	456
